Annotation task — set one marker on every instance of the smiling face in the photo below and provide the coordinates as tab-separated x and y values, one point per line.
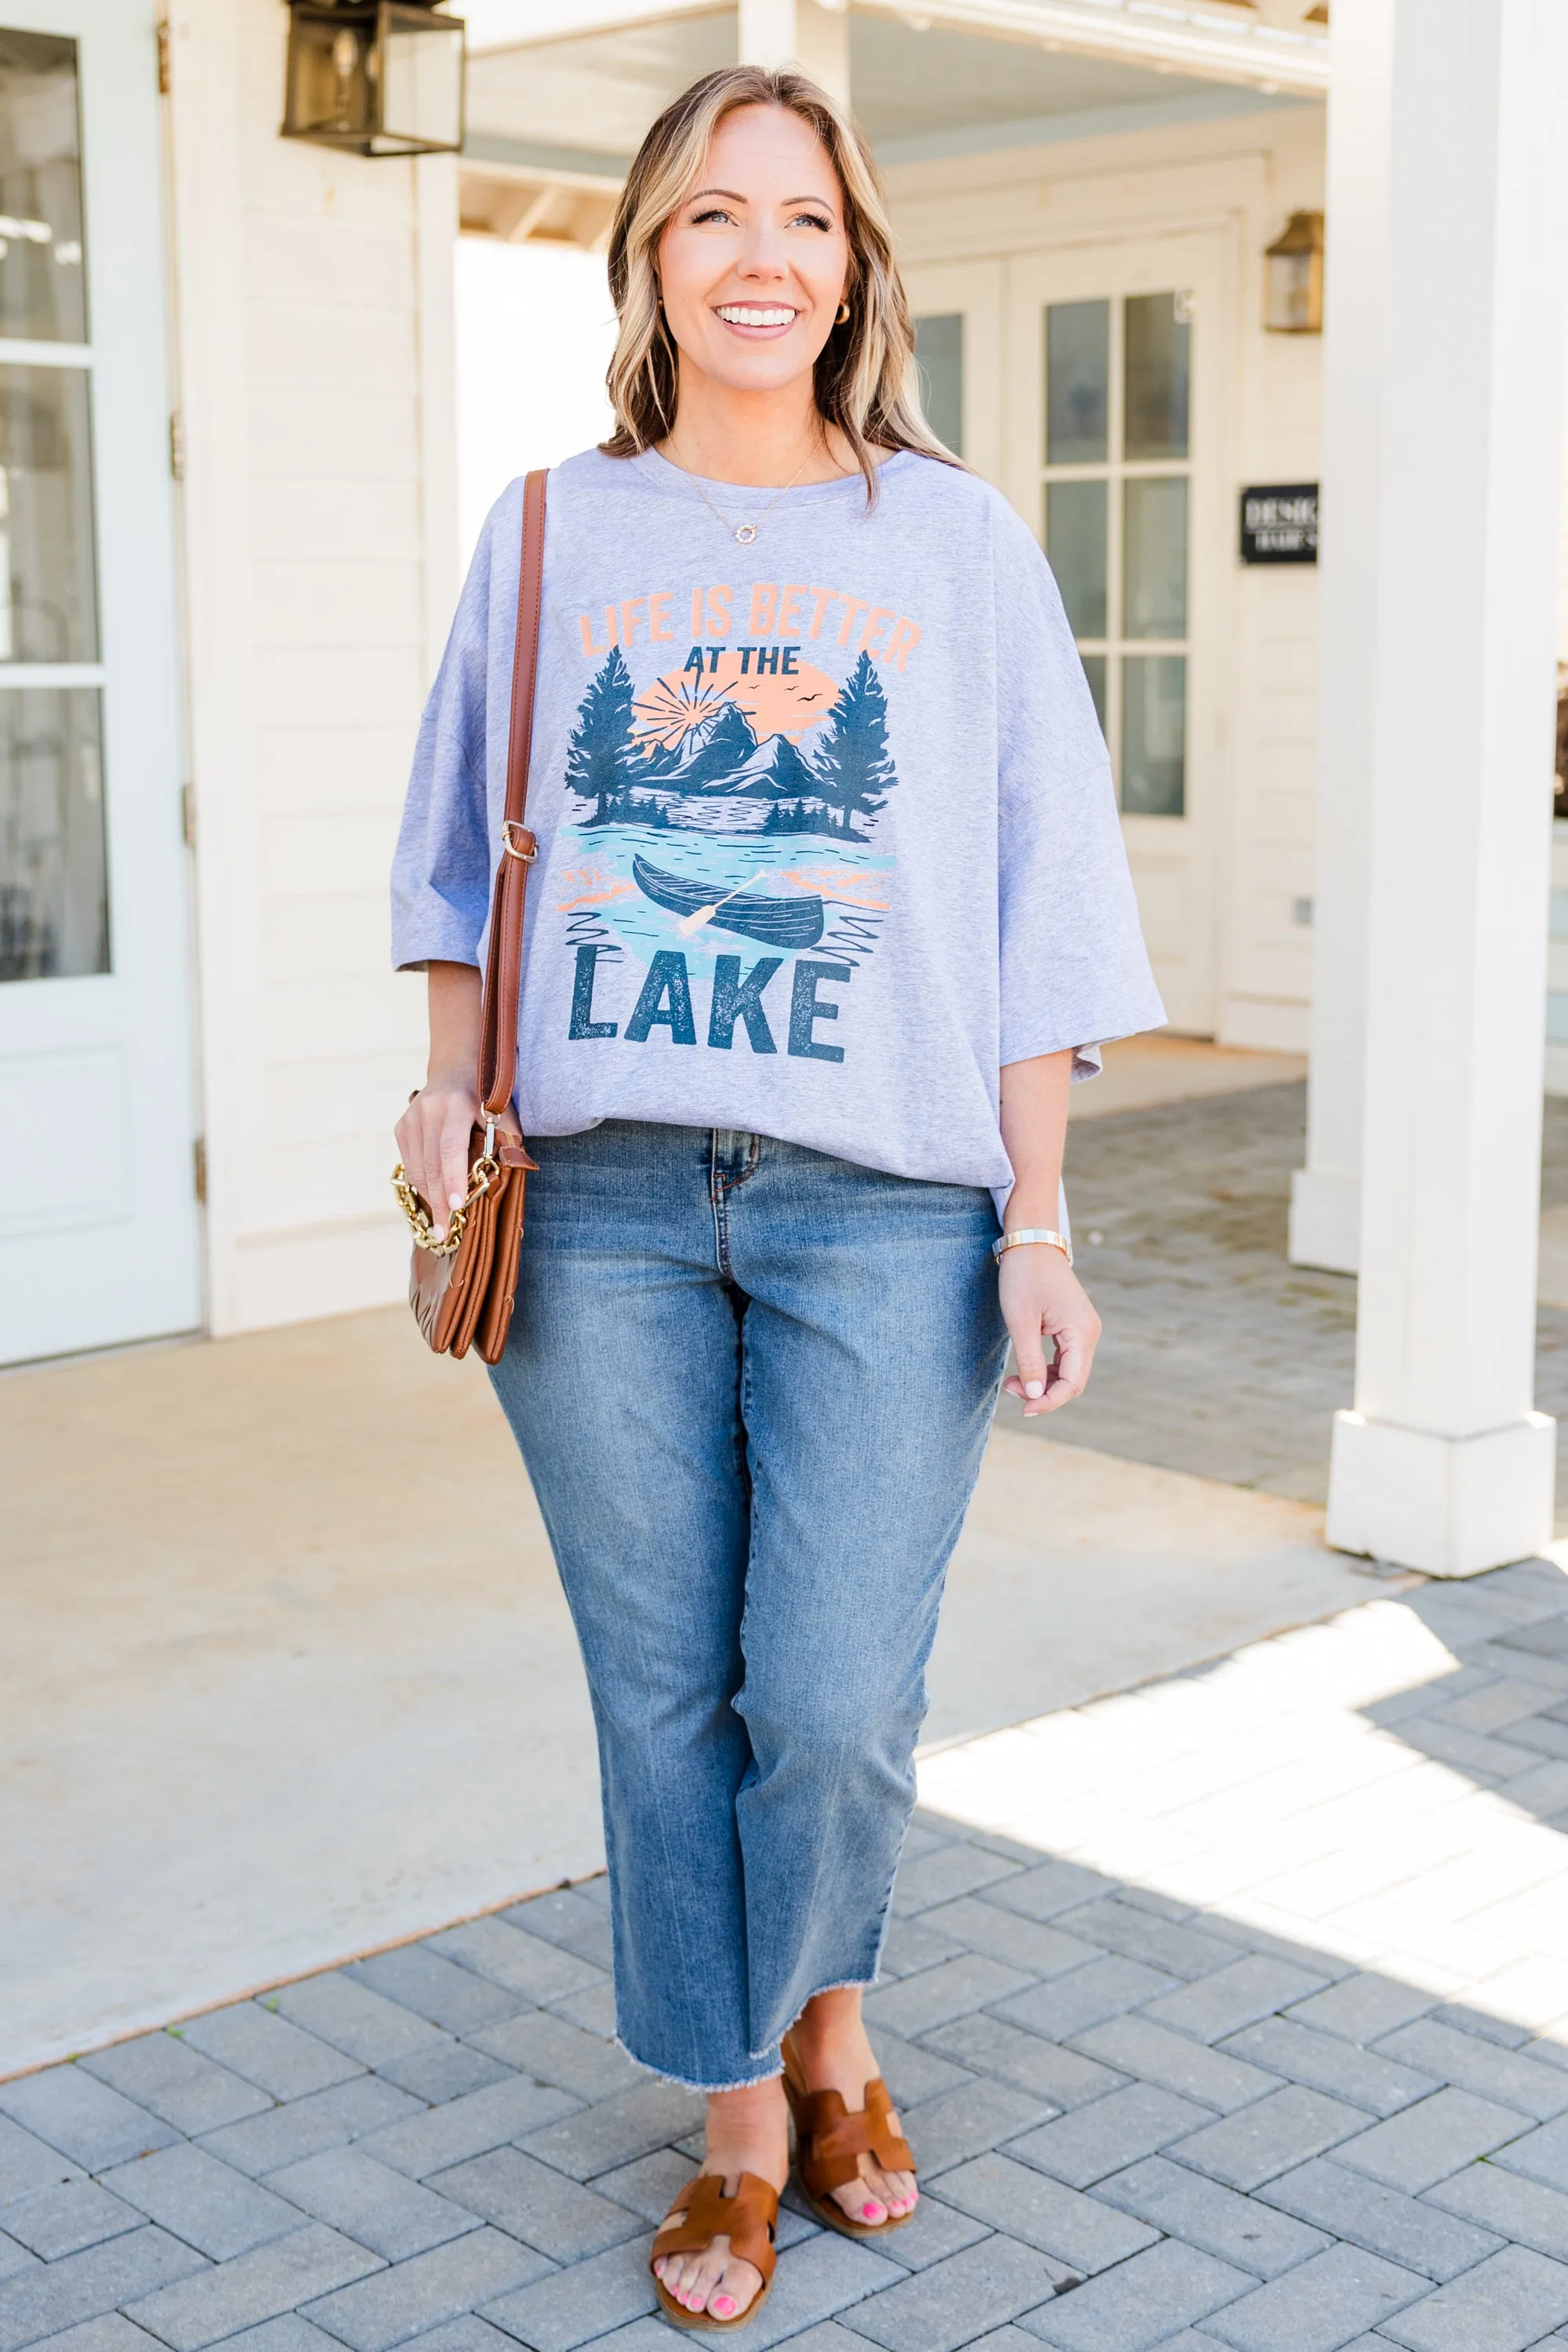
753	266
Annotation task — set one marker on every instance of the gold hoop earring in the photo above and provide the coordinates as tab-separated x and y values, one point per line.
843	318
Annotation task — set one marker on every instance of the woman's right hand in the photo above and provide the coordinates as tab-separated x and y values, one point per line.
433	1136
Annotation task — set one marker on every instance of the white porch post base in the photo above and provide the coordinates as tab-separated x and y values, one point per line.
1325	1220
1446	1505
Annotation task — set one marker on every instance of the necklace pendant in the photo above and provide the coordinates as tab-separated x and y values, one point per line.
745	532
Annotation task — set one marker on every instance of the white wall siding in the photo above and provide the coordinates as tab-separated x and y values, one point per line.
315	359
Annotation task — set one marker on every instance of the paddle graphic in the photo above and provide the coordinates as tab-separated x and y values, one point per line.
700	915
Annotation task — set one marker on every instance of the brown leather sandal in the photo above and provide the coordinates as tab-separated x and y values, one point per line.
748	2220
830	2141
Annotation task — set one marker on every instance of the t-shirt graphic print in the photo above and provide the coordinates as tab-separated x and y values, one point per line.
726	807
826	833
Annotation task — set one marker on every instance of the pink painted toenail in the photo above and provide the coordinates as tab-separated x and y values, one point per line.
723	2305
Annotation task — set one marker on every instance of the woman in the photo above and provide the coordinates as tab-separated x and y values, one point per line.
830	902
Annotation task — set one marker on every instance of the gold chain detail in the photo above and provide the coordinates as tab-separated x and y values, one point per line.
419	1219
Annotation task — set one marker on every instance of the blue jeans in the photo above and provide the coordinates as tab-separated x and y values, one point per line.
752	1385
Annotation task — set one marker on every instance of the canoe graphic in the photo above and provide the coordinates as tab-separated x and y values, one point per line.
775	922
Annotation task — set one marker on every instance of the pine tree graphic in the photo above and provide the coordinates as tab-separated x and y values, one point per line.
596	755
854	768
794	816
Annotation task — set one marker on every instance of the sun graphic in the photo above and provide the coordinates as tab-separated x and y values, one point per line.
776	703
672	707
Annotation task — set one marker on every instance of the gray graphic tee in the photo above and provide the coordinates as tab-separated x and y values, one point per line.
826	821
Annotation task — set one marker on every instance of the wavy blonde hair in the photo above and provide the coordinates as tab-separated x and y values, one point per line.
864	374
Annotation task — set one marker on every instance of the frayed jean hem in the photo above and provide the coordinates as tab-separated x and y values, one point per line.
684	2083
843	1984
768	2073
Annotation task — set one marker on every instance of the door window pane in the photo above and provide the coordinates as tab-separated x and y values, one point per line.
1078	382
1153	734
939	358
48	600
43	296
54	906
1074	544
1155	556
1158	358
1094	671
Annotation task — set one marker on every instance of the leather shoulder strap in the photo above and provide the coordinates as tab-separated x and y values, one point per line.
504	968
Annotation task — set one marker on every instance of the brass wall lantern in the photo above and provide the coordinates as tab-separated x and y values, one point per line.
1293	285
375	77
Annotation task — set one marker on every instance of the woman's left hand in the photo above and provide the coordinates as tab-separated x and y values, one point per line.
1043	1301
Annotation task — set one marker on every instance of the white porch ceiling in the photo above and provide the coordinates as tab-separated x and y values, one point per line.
936	83
592	91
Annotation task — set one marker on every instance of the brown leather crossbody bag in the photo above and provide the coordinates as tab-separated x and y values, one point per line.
461	1288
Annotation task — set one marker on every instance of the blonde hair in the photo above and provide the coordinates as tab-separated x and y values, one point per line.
864	374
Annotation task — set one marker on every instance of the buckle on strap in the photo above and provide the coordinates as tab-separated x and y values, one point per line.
529	852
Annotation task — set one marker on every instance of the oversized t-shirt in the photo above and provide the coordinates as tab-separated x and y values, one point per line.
826	831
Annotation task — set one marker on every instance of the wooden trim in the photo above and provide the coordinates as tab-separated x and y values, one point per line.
521	205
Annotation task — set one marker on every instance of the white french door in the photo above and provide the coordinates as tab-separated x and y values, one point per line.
97	1215
1117	383
1091	384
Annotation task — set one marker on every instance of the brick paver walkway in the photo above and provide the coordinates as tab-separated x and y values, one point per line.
1220	1357
1231	2012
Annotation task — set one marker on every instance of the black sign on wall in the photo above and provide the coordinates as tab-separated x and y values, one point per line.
1280	523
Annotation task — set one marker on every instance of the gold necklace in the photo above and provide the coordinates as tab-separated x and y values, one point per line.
744	531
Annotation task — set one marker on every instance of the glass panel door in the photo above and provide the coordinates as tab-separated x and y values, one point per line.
1117	394
97	1243
1119	353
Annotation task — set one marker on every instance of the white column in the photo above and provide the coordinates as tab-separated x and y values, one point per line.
1443	1465
799	33
1325	1195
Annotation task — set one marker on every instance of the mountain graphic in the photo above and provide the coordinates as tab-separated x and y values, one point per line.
837	790
776	771
706	757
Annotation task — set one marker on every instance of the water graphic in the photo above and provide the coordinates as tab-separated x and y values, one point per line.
596	888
